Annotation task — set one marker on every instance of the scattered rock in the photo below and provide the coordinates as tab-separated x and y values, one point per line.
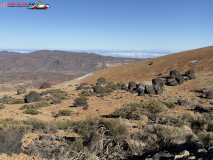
33	96
56	101
151	63
149	90
43	93
21	91
209	95
99	89
80	103
10	142
131	86
184	103
101	81
141	93
174	74
158	85
45	85
190	74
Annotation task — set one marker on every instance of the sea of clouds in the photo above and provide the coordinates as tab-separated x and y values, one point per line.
115	52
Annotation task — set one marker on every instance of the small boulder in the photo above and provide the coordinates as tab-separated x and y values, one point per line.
141	86
101	81
56	101
150	90
209	95
190	74
99	89
184	103
124	87
33	96
173	83
151	63
43	93
45	85
158	85
21	91
81	87
80	103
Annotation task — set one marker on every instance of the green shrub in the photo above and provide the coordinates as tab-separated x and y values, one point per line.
48	98
18	101
112	86
36	105
78	144
66	112
206	137
150	95
136	110
109	89
169	105
201	102
2	106
103	95
81	98
31	111
52	91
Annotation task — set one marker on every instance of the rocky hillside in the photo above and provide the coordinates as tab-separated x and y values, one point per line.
6	54
200	60
32	69
60	61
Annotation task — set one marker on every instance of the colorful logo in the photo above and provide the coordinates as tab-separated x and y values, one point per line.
40	5
4	5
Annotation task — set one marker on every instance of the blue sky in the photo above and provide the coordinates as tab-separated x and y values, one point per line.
109	24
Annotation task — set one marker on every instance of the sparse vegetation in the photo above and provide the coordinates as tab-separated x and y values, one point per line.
66	112
103	95
135	110
170	105
2	106
56	94
81	98
36	105
10	100
150	95
31	111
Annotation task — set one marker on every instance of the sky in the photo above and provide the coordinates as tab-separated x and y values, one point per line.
122	25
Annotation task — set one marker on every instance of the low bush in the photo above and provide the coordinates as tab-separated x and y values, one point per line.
66	112
56	94
103	95
136	110
31	111
2	106
78	144
169	105
18	101
81	98
36	105
206	138
112	86
48	98
150	95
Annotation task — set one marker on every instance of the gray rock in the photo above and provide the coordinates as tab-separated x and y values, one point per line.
45	85
101	81
141	93
209	95
32	97
149	90
80	103
184	103
99	89
21	91
158	85
174	74
131	86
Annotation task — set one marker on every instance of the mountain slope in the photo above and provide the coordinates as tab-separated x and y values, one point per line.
142	71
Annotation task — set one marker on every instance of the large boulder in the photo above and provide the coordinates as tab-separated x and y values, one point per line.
45	85
10	142
33	96
209	95
190	74
99	89
149	90
174	73
101	81
158	85
131	86
21	91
